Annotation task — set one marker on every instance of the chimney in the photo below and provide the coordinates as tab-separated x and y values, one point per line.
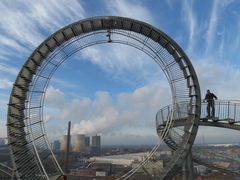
68	148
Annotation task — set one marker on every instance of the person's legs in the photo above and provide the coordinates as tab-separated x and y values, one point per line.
213	109
208	109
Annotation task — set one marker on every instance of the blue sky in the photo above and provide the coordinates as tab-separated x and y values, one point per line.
103	90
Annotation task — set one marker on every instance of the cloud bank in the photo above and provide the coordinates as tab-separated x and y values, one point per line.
106	114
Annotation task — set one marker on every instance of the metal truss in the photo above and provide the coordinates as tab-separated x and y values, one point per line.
30	151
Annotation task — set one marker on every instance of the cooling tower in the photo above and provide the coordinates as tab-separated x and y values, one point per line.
80	143
64	144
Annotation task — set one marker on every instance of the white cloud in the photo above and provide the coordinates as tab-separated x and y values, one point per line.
148	96
23	22
54	97
112	57
12	46
221	78
76	110
123	63
191	23
8	69
5	83
106	114
213	22
131	9
102	124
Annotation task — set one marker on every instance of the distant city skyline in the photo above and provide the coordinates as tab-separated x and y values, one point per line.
115	90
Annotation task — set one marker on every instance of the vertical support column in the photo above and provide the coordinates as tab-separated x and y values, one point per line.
68	148
184	170
190	166
187	168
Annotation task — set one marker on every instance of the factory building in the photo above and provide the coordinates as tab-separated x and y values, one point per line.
87	143
96	145
56	145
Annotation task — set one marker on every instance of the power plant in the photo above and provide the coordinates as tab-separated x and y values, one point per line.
96	145
87	143
64	143
82	144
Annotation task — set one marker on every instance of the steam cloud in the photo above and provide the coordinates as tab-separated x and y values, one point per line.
106	114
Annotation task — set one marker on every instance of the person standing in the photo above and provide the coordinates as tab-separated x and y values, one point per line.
210	103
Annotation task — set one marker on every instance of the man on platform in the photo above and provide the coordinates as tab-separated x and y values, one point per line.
210	103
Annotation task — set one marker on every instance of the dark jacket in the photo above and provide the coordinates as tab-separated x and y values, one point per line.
209	97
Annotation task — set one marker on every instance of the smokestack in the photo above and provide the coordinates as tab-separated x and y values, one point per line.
80	143
68	148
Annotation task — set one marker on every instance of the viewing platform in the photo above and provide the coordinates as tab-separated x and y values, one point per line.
227	115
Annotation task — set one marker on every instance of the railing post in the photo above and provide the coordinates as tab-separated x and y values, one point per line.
168	112
162	115
234	112
228	110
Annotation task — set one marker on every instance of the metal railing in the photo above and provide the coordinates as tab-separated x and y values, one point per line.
224	111
228	111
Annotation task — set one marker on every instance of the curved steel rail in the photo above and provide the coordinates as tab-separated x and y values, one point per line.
7	172
227	116
30	150
152	152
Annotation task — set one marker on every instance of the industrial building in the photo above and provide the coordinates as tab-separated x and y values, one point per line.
80	143
87	143
64	144
96	145
56	146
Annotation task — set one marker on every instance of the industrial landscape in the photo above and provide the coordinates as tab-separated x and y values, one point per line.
89	159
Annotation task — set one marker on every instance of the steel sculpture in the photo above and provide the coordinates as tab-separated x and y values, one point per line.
31	154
